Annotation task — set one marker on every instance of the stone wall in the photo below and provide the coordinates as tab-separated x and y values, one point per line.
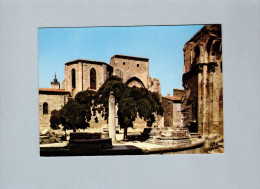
189	105
55	85
128	67
100	124
177	115
168	112
55	102
172	111
155	86
178	92
82	70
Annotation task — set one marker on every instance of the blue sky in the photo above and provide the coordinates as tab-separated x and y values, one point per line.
163	45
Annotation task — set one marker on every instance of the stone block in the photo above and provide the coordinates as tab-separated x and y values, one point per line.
75	136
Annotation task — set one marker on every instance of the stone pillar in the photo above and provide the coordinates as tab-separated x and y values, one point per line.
200	88
220	98
112	117
215	114
204	101
210	96
116	116
214	99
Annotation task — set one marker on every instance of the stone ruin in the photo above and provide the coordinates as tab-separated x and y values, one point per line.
168	136
48	136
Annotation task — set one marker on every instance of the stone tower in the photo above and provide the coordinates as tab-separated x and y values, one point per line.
55	84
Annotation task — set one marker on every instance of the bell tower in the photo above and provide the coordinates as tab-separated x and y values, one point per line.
55	84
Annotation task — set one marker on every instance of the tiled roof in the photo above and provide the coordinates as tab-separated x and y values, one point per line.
53	90
175	98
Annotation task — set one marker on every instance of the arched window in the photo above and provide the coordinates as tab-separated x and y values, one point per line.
73	78
215	48
93	78
45	108
197	54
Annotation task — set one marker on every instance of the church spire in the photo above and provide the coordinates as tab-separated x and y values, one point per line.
55	79
55	83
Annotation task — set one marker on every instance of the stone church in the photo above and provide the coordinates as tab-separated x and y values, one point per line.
88	74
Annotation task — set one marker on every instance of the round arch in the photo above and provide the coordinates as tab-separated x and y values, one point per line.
216	46
45	108
134	81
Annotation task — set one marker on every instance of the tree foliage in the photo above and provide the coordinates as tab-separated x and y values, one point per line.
55	119
114	84
131	102
76	113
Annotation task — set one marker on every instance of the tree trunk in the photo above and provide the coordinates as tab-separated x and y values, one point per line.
125	131
74	129
65	135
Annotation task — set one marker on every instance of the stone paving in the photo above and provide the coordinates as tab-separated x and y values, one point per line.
119	144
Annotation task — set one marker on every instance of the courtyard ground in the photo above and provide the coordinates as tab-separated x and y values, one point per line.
195	147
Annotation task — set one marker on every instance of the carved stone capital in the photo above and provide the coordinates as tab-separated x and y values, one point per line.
211	66
200	68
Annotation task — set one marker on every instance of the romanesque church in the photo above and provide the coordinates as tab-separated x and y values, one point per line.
88	74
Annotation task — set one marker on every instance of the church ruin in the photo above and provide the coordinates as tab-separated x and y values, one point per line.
202	105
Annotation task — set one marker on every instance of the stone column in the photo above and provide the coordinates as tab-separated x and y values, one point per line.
199	111
220	97
112	117
210	95
116	116
204	97
215	115
214	99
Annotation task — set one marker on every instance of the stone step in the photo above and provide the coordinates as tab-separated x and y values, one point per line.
195	135
173	138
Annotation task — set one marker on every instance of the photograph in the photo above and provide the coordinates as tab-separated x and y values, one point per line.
129	94
130	90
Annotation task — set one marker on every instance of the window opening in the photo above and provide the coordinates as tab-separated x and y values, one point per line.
45	108
73	77
93	79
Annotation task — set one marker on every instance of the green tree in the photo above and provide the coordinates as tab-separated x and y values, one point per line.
55	119
127	113
76	113
75	116
131	102
114	84
90	99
